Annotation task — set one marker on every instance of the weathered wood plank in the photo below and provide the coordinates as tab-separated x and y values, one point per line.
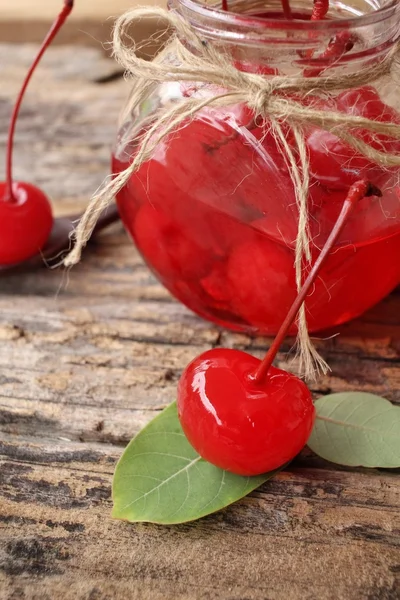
57	529
86	360
87	356
84	9
90	22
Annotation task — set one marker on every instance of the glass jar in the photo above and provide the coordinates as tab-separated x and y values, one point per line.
213	212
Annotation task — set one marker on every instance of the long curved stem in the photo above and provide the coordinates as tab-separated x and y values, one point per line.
58	23
358	190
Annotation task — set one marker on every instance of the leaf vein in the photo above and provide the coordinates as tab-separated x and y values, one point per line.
217	494
185	499
162	483
162	454
349	425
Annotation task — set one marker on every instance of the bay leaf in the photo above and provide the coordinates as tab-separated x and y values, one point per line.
161	479
357	429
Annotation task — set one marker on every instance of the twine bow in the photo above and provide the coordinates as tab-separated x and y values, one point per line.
275	100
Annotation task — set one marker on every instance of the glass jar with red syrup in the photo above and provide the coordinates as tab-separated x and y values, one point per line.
213	212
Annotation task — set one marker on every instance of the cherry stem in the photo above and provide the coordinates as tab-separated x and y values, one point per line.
319	12
320	9
287	12
357	192
56	26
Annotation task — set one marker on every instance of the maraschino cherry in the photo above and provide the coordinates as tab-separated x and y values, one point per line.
245	415
25	213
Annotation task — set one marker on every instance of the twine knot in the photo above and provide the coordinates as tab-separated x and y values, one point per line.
259	99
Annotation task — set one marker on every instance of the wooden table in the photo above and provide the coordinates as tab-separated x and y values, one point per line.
87	358
90	22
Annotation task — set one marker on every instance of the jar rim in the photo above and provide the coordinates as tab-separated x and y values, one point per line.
193	9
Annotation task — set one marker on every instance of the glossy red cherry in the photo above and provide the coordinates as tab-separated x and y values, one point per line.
25	223
236	424
25	213
242	414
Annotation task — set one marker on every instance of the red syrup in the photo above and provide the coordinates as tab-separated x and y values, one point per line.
214	215
217	227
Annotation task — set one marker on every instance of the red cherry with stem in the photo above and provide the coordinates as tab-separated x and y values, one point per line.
25	213
243	414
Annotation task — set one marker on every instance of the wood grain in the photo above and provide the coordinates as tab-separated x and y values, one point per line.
87	359
83	9
90	22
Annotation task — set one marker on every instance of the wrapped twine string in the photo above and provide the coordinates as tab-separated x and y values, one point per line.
275	100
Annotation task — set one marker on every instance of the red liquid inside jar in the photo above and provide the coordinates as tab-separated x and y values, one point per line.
214	215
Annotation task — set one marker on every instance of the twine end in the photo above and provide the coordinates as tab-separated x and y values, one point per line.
73	258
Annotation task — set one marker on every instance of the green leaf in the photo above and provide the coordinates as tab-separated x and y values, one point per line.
161	479
357	429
